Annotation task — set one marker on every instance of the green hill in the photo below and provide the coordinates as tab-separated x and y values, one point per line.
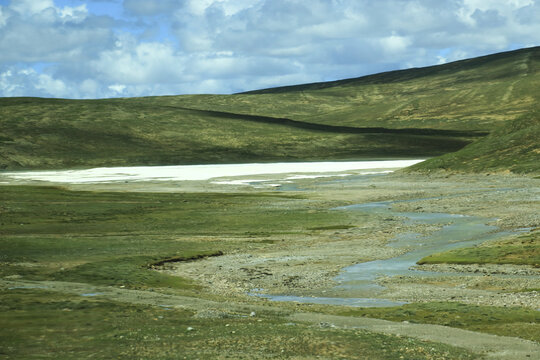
515	148
473	94
50	133
421	112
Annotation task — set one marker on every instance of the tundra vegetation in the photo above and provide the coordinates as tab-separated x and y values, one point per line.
480	114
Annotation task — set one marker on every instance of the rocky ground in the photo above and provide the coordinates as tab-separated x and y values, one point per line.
497	285
308	264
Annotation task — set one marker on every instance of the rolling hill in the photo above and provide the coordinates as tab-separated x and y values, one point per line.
513	148
421	112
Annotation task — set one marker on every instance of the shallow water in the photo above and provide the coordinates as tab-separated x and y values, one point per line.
457	231
355	302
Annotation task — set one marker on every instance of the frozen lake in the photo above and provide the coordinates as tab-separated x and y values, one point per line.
293	171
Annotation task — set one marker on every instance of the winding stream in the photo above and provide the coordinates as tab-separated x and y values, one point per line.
456	231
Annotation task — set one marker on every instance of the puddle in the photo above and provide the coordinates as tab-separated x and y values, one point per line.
92	294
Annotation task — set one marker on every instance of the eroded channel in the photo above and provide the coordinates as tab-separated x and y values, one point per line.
360	280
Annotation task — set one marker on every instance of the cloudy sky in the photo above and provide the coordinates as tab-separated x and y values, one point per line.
112	48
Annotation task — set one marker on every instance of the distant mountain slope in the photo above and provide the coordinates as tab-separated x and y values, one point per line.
408	113
494	63
473	94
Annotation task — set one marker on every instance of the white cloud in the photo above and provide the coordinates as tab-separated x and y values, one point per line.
395	44
74	14
441	60
117	88
37	31
8	87
470	7
141	63
229	7
3	17
17	82
31	7
150	8
50	85
90	88
221	46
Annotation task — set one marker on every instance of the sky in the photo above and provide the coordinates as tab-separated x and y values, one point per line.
125	48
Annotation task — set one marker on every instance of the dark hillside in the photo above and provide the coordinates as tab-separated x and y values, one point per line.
494	61
51	133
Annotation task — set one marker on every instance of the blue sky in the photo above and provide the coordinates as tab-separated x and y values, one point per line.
118	48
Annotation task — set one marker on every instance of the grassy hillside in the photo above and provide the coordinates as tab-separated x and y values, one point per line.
473	94
514	147
409	113
50	133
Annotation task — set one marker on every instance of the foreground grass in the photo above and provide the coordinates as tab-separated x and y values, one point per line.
50	233
40	324
515	322
518	250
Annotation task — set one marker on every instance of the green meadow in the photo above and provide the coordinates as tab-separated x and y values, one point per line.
516	250
516	322
112	238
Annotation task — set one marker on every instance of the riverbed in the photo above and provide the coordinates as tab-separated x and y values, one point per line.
360	281
400	219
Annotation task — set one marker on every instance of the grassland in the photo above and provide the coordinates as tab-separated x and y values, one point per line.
517	250
524	323
512	148
409	113
51	234
475	94
111	238
37	323
49	133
